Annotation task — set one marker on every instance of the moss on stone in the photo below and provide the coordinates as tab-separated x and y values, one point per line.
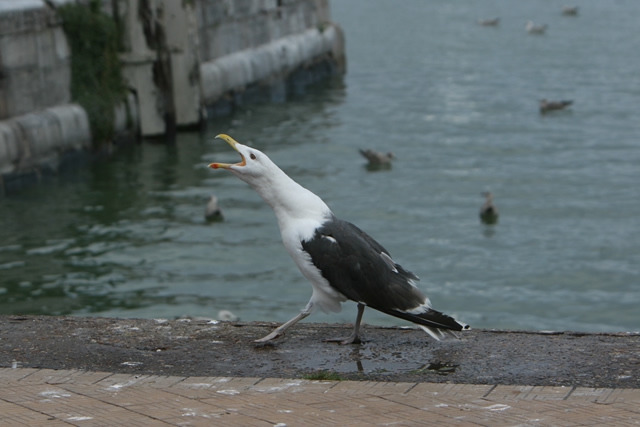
96	78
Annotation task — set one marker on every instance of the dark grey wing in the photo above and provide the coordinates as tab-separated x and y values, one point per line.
360	268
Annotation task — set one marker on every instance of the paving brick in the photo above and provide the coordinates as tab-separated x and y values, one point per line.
51	376
621	395
56	398
350	387
436	389
548	393
159	381
12	414
218	383
275	385
509	392
8	375
589	394
383	388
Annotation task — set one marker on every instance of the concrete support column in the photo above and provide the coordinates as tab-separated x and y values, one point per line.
161	64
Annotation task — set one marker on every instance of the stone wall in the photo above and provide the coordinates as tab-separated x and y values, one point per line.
230	26
183	60
184	56
35	68
38	124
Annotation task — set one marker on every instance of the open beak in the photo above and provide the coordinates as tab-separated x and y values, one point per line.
234	144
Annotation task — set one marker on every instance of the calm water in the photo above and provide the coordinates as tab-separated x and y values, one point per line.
457	104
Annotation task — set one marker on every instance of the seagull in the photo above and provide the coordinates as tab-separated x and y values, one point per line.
546	106
535	29
377	158
227	316
570	11
489	22
341	261
213	212
488	212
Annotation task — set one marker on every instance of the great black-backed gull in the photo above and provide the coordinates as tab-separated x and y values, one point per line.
341	261
488	211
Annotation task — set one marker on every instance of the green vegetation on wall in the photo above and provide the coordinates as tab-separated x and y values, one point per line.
96	79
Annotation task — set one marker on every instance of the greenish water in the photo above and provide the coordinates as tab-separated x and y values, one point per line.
456	103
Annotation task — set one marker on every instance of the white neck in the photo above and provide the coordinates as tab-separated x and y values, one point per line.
290	201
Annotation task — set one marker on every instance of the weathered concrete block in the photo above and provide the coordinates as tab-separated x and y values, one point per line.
236	71
43	134
230	26
3	102
138	72
182	40
12	147
21	91
26	15
38	139
18	50
34	58
73	122
126	118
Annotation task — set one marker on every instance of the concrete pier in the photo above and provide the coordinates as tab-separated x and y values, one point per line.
101	371
190	347
37	141
183	57
182	61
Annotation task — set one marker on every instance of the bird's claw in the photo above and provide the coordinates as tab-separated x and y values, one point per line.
345	341
270	337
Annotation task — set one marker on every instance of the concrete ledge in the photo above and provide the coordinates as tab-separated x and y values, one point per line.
225	349
274	60
38	140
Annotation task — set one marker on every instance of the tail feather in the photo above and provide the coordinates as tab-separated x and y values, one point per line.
433	322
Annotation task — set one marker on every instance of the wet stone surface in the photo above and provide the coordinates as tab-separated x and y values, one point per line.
189	347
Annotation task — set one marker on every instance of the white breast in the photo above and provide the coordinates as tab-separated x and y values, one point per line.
324	297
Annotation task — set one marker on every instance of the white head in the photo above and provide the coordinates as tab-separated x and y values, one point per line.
283	194
254	166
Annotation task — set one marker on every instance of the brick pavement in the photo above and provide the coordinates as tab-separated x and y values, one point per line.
42	397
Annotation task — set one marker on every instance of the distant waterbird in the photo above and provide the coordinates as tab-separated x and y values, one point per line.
227	316
535	29
377	158
570	11
489	22
212	211
488	211
341	261
547	106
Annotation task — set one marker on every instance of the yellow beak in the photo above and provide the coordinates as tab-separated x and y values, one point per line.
233	143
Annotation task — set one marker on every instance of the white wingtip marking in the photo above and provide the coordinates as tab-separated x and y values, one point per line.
389	261
421	309
435	333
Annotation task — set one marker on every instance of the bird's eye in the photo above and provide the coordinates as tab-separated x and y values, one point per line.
253	156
